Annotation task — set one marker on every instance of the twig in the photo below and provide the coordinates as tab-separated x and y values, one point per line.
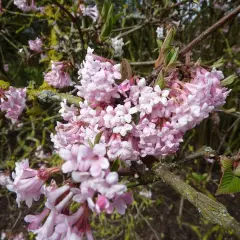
142	63
210	30
19	215
229	129
130	31
202	152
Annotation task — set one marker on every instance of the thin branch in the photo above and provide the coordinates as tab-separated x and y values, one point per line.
130	31
142	63
210	30
228	131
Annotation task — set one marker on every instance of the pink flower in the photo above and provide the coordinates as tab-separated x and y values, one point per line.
28	182
35	45
119	119
36	220
58	77
13	102
121	202
19	236
23	5
97	77
84	159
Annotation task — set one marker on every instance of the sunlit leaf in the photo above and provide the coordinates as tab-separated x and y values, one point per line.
230	183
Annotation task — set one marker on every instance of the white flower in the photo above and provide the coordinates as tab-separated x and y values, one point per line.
117	44
159	32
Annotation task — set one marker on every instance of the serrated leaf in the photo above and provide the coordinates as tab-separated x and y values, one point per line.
229	80
230	183
97	138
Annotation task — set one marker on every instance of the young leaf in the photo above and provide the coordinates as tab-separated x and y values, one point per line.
97	138
219	63
230	183
160	81
229	80
116	165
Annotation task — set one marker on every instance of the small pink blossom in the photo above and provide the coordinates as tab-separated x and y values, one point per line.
35	45
58	77
13	102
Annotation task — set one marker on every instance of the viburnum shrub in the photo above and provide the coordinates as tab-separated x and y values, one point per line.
119	121
114	122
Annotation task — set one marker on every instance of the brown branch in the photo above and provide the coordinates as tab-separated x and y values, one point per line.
210	30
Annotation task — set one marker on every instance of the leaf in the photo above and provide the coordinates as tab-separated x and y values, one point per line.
230	183
174	56
116	165
90	144
229	80
105	9
219	63
160	81
165	47
97	138
108	25
197	176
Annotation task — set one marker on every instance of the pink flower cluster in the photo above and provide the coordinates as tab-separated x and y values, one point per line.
13	102
24	6
35	45
123	122
58	77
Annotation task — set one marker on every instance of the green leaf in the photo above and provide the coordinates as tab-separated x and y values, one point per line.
230	183
116	165
108	25
161	81
159	43
174	56
90	144
219	63
229	80
97	138
105	9
197	176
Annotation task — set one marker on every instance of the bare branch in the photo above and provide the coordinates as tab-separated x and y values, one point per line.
210	30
